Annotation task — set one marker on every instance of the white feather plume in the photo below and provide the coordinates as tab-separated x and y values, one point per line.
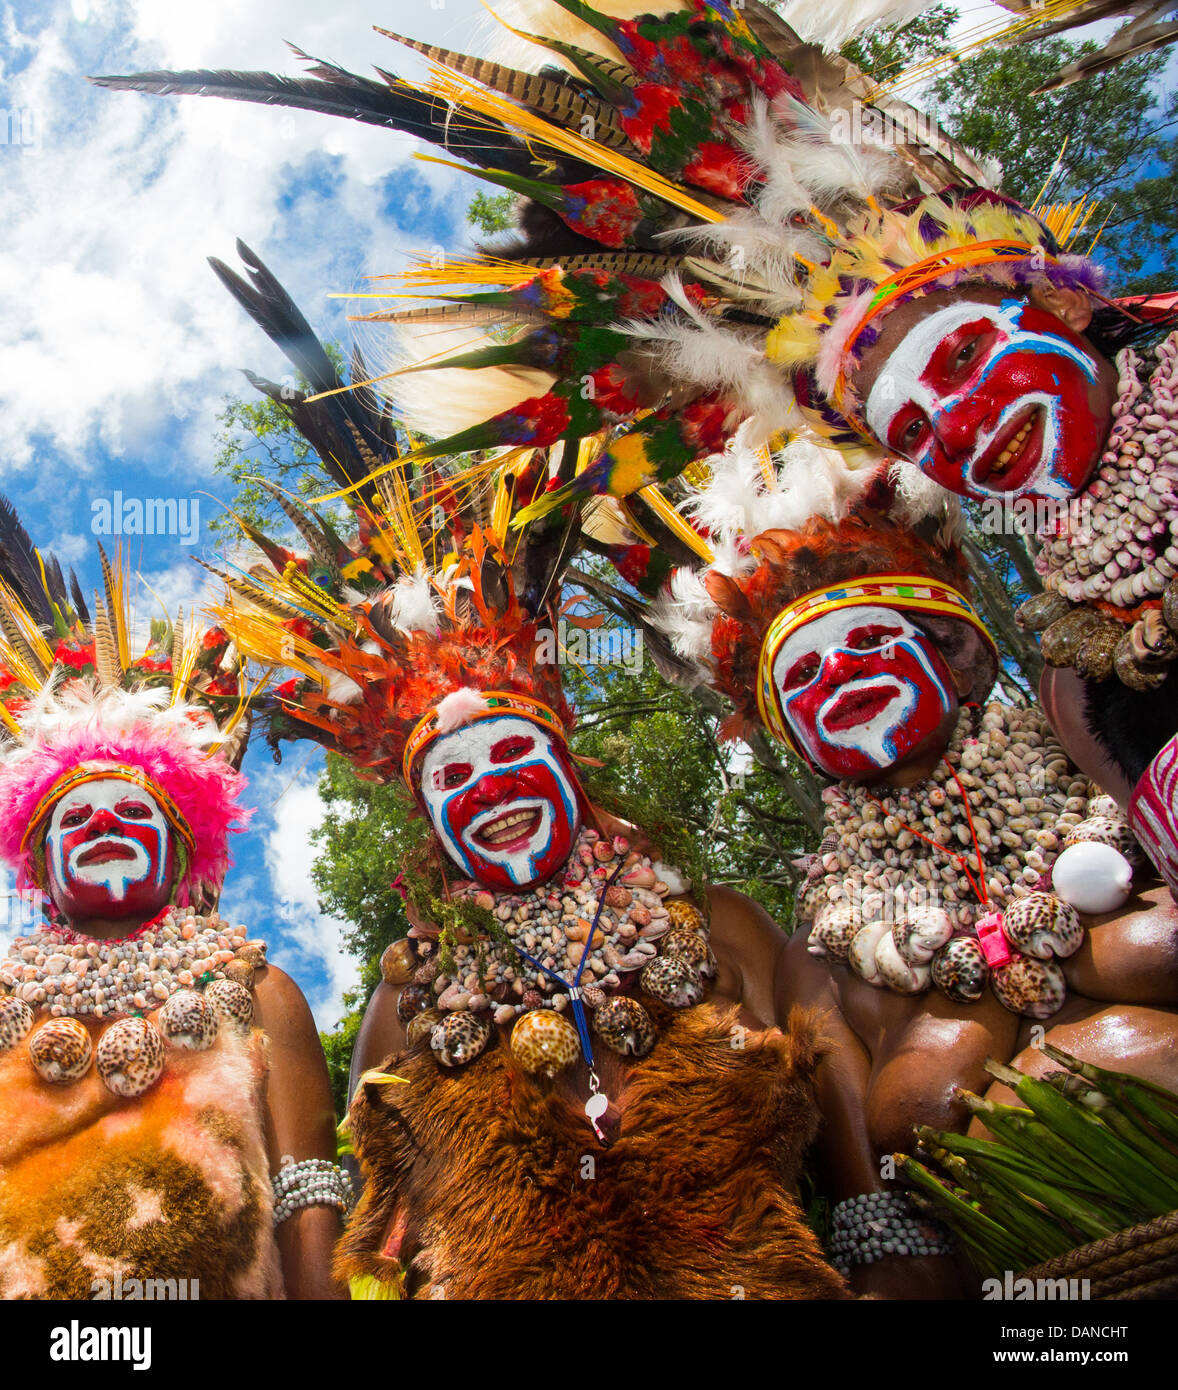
444	400
414	607
684	613
57	708
831	25
459	707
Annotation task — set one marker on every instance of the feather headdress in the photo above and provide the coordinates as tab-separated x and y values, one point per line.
431	614
686	178
76	690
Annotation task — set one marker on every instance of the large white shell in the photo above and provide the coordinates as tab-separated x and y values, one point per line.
920	938
1092	877
861	956
896	972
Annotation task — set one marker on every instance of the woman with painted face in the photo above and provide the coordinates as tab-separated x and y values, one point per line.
939	928
167	1119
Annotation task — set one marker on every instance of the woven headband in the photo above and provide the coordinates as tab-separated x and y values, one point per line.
901	591
499	702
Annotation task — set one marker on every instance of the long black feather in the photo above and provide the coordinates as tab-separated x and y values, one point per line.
275	312
19	565
338	425
347	95
79	599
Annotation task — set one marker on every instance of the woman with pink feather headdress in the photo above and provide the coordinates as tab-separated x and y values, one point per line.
154	1069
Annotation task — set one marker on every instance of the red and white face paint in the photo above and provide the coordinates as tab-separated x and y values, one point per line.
109	852
862	689
503	800
993	400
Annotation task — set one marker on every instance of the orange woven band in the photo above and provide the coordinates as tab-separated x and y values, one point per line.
914	277
498	702
78	776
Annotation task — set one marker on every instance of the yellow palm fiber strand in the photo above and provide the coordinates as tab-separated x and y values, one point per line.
976	37
483	269
1099	230
1051	173
15	656
266	639
244	704
675	523
9	723
184	660
1065	221
452	86
509	465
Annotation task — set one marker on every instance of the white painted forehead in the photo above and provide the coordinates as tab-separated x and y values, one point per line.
832	630
473	742
103	791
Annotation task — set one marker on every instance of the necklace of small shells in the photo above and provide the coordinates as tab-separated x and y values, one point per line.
910	879
1120	548
605	919
196	970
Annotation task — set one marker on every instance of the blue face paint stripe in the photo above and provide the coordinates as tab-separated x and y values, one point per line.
891	644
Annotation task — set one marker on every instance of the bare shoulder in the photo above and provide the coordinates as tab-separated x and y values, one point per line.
281	1008
381	1032
748	945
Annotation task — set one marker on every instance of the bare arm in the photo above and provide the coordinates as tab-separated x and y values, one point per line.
773	973
300	1123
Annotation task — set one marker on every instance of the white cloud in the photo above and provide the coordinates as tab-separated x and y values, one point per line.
310	944
111	327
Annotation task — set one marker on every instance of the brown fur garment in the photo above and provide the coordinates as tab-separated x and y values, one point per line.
493	1184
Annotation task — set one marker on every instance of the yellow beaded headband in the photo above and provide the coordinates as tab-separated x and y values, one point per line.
78	776
901	591
498	702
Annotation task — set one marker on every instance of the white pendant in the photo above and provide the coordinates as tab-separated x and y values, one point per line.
1092	877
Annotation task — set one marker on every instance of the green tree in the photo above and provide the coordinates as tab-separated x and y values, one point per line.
1109	138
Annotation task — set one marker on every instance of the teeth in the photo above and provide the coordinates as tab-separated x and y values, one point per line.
1012	448
504	827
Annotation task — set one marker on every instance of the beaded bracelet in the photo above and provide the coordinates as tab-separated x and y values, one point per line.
877	1224
313	1182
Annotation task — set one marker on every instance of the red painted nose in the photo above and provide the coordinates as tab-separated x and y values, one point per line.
493	788
101	822
957	429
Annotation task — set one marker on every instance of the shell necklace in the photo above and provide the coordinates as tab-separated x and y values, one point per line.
197	971
889	905
606	922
